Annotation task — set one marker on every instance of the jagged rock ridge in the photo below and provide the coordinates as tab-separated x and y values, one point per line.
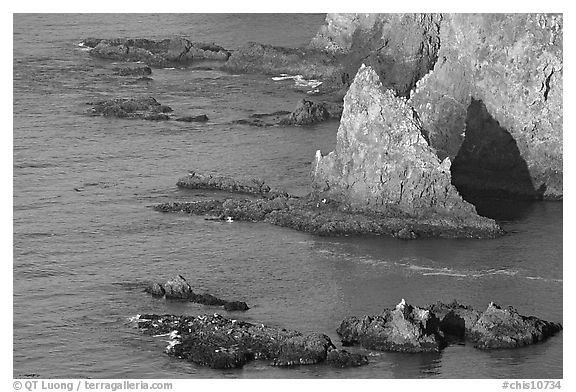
383	162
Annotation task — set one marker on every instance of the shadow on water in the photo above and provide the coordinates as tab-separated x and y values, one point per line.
489	170
503	209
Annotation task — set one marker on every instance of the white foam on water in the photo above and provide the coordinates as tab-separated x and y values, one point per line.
299	80
548	280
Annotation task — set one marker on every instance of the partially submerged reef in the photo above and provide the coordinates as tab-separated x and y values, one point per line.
222	343
316	214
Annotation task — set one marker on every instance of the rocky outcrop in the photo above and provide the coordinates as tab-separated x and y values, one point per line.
405	328
146	108
401	48
493	103
308	112
411	329
167	52
221	343
178	288
273	60
252	186
501	327
384	163
325	217
264	119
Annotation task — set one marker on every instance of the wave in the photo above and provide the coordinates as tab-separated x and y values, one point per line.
300	81
424	267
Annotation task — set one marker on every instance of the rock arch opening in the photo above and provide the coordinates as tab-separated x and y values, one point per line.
489	170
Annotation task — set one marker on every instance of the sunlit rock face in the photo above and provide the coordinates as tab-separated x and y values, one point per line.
510	63
496	91
383	161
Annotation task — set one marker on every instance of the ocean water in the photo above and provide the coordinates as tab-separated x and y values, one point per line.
85	237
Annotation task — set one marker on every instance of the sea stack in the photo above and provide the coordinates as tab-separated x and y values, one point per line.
384	163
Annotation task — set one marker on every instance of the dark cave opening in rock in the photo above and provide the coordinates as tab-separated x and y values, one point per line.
489	171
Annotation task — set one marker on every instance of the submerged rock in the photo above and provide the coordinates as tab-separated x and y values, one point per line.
264	119
178	288
405	328
217	342
167	52
146	108
133	70
498	328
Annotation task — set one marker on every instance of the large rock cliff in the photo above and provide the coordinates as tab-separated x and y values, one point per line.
493	102
487	88
383	161
402	48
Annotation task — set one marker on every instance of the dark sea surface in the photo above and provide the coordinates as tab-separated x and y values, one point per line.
81	255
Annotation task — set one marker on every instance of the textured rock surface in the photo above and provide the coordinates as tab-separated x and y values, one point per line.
455	319
405	328
383	161
246	185
178	288
501	327
401	48
163	53
412	329
308	112
218	342
272	60
146	108
343	359
513	64
326	217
